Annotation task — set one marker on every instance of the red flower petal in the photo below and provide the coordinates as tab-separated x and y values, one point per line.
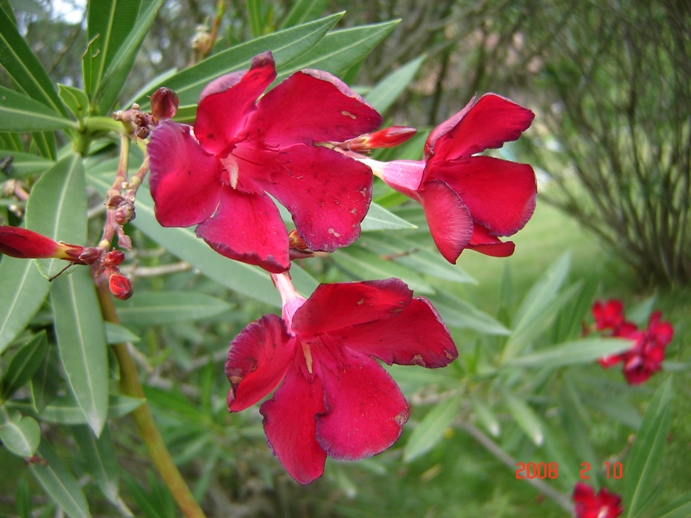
337	306
491	122
225	104
290	422
312	106
485	243
499	194
248	228
327	193
258	359
448	218
185	180
417	336
365	407
444	128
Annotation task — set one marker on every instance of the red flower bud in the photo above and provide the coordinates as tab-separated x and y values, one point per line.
387	137
113	258
120	286
27	244
164	103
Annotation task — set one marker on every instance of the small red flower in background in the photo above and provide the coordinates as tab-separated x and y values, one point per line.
335	399
601	505
645	356
470	201
219	174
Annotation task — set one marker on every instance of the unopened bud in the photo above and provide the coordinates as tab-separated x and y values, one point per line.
120	286
89	255
113	258
387	137
27	244
164	103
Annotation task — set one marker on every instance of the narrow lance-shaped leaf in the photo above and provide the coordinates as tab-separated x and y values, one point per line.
98	454
109	23
387	91
525	417
19	112
23	365
431	429
20	435
304	11
60	483
57	207
82	344
23	291
579	351
646	452
24	67
169	307
285	45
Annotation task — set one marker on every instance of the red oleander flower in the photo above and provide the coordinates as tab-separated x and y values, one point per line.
334	398
243	149
645	356
27	244
601	505
470	201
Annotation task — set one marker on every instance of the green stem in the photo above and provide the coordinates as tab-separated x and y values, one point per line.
131	386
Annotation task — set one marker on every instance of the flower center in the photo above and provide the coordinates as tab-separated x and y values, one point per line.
232	169
308	356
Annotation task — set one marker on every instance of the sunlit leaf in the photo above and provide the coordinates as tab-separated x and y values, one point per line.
23	291
579	351
387	91
378	218
60	483
19	112
485	416
117	334
81	341
430	430
525	417
459	313
57	206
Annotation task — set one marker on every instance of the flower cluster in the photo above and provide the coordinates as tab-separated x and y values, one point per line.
250	147
645	356
588	504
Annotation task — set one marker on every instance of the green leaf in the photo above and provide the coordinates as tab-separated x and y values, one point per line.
21	435
57	206
458	313
543	291
285	45
19	112
410	254
387	91
303	11
378	218
340	50
109	23
24	67
485	416
182	242
120	66
431	429
59	483
24	164
365	265
169	307
679	508
646	452
46	381
23	365
23	291
82	344
117	334
525	417
98	454
578	351
576	424
65	410
75	99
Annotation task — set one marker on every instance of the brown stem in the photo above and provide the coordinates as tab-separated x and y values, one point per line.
131	386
